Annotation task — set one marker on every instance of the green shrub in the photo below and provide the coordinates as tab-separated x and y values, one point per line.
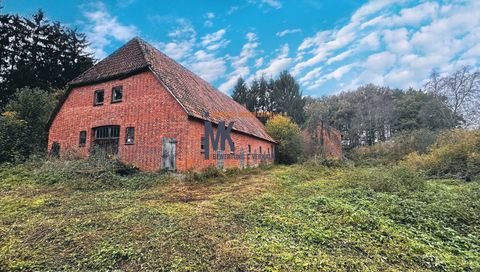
322	161
456	153
205	175
390	179
288	136
394	149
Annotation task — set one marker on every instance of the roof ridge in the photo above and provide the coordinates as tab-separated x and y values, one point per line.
182	66
141	43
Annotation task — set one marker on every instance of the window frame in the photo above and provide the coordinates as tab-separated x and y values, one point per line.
130	134
202	144
113	100
82	141
106	132
95	102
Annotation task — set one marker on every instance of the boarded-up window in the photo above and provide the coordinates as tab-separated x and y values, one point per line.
83	138
130	135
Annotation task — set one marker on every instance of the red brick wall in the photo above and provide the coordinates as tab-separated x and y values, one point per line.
196	159
325	140
154	114
146	106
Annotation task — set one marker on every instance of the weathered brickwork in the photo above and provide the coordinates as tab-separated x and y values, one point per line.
324	140
155	115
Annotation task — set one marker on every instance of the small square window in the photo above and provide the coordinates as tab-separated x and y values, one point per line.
202	144
83	138
98	97
117	94
130	135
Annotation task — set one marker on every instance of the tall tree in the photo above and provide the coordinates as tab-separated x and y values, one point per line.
374	114
240	92
37	53
462	91
287	98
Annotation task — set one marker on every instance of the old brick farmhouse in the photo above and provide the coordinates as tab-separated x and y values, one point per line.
142	106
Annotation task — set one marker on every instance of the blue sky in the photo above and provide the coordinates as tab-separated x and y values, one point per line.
329	46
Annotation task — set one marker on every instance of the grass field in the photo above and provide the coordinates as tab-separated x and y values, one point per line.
295	218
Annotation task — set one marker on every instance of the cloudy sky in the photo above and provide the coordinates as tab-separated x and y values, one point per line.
328	45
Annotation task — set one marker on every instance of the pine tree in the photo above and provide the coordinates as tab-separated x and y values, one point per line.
240	92
287	97
37	53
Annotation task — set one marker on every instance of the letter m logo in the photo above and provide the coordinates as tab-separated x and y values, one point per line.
222	135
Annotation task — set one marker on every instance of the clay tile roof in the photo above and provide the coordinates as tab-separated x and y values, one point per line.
194	94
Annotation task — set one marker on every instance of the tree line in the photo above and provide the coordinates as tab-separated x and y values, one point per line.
275	96
37	59
37	53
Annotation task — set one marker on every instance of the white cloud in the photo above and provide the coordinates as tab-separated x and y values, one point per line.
340	57
380	61
259	62
278	64
370	42
240	63
336	75
397	43
232	9
102	28
209	16
288	31
207	65
182	43
214	41
397	40
272	3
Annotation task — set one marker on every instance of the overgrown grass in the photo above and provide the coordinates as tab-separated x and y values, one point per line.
296	218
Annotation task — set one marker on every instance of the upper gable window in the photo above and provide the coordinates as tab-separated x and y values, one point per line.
117	94
98	97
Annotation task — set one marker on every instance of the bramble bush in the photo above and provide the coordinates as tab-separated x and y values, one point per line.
456	153
395	149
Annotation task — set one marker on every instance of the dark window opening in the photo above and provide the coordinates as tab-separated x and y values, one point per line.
249	149
99	97
55	150
232	151
117	94
202	144
106	138
83	138
260	150
130	135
